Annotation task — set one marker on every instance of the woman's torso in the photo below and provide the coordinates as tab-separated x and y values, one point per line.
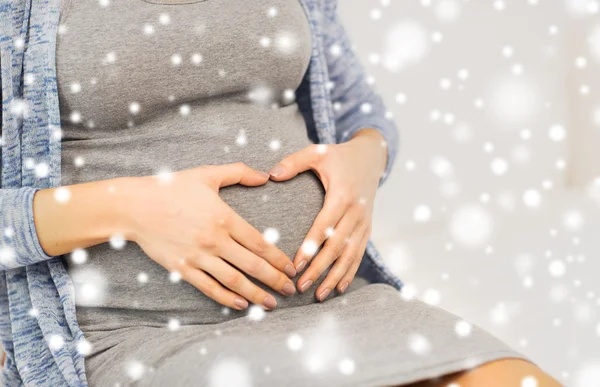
146	87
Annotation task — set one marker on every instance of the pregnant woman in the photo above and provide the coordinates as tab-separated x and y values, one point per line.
144	243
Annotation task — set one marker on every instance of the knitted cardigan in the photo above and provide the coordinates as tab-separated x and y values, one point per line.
38	323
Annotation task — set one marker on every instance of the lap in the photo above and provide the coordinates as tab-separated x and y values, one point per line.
370	336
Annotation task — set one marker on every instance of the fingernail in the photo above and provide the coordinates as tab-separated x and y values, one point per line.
289	289
264	174
276	171
305	286
270	302
301	265
344	286
241	303
324	294
289	270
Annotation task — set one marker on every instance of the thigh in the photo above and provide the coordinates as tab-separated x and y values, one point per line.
498	373
370	337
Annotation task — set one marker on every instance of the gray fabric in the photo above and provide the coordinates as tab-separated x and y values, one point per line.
367	332
227	34
371	322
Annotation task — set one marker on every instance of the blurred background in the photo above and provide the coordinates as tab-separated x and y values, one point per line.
493	208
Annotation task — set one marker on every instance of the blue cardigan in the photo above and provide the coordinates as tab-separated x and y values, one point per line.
38	323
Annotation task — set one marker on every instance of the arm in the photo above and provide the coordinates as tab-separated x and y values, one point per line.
94	212
357	105
30	217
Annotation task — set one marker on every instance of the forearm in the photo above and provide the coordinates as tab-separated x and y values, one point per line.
376	140
357	105
91	215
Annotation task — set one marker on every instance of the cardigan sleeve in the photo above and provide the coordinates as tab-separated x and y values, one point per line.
356	104
19	243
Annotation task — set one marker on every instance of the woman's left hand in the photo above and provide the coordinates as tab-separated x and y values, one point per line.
350	173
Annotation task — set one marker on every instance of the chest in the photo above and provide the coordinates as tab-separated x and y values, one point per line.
132	57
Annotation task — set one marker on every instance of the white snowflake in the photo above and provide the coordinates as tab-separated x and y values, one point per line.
295	342
256	313
62	194
271	235
309	247
79	256
117	241
419	344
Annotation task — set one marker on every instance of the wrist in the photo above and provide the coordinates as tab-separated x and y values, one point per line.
80	215
377	141
123	191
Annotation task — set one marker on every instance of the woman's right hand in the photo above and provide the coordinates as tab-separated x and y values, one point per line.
181	222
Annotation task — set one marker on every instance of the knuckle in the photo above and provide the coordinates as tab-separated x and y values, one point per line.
206	238
255	267
262	246
334	248
174	264
209	289
209	177
254	295
351	259
208	174
234	279
338	249
185	275
205	242
361	211
240	166
179	264
223	221
344	198
197	260
352	197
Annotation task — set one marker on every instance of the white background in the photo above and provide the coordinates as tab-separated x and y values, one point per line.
492	209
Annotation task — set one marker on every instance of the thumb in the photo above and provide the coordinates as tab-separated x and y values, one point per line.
238	173
295	163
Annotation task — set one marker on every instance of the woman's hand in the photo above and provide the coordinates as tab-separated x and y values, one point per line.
180	221
350	173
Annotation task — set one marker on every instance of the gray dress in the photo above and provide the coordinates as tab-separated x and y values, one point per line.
147	86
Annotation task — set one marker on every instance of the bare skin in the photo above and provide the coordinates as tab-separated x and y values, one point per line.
343	226
180	221
216	241
499	373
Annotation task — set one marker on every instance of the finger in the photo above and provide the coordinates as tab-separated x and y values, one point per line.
257	267
212	289
333	209
343	264
237	173
232	279
349	276
298	162
331	250
252	239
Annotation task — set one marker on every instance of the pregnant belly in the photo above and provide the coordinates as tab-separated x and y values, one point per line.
290	207
123	287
